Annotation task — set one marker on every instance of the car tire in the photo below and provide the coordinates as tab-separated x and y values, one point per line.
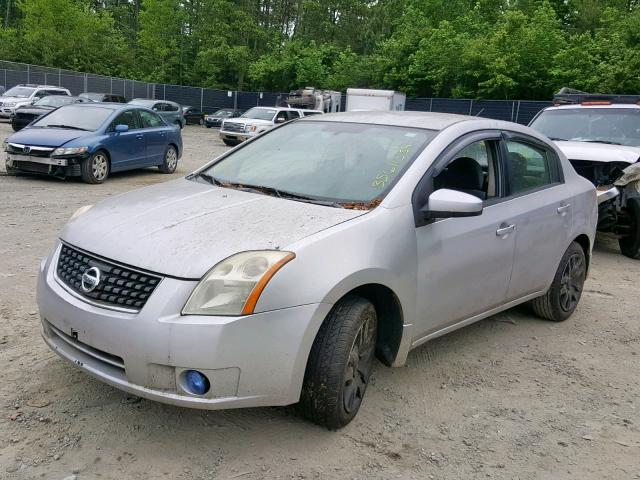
15	127
170	162
630	241
340	364
563	296
230	143
96	168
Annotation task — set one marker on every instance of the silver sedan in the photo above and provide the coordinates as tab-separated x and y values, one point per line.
277	272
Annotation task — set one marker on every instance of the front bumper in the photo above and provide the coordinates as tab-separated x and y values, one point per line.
255	360
236	136
67	166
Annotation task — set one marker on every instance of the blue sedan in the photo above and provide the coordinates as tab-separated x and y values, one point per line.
93	140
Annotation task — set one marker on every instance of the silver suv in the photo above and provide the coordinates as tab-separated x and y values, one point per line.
257	120
26	94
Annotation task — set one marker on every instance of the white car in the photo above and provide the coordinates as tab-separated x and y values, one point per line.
22	95
600	135
257	120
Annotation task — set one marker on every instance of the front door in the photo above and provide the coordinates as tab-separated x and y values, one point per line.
127	149
464	264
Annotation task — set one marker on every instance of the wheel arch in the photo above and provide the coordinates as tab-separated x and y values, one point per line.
585	243
390	317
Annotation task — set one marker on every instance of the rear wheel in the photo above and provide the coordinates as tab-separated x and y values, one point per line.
170	160
340	364
564	294
95	169
630	240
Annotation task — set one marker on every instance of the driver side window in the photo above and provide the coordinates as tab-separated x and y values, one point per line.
473	170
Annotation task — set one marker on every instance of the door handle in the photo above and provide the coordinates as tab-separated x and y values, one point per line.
139	136
505	230
563	209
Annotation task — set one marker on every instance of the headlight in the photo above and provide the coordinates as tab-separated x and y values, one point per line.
9	104
80	211
234	285
248	128
70	151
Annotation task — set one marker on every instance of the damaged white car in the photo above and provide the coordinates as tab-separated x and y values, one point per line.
600	135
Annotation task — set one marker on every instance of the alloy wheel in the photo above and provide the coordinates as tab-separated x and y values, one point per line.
100	166
359	366
571	282
171	158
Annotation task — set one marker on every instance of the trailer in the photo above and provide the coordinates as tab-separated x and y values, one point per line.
310	98
367	99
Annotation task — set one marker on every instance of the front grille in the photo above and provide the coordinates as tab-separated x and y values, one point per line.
233	127
34	167
119	286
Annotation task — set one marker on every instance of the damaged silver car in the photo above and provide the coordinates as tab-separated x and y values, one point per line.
277	272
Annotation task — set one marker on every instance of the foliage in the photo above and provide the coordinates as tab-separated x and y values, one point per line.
458	48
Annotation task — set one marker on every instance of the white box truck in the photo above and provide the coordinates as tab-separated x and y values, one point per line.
367	99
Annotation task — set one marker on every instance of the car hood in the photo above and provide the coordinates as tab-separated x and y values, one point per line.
46	137
14	99
183	228
35	110
250	121
599	152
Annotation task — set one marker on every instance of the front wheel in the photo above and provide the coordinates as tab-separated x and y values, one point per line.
15	127
230	143
564	294
630	240
170	160
340	363
95	169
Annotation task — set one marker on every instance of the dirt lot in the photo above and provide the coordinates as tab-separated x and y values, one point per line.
511	397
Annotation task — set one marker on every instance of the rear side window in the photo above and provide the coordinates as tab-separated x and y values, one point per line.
170	107
529	167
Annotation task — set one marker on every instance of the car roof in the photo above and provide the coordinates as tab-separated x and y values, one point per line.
587	106
147	101
427	120
111	106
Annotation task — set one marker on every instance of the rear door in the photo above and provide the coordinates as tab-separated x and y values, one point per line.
542	212
155	133
127	149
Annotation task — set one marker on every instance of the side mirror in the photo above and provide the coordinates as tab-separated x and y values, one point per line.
121	128
445	203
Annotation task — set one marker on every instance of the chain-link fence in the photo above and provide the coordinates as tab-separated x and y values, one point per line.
209	99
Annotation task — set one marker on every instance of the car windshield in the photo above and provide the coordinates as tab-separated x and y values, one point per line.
96	97
617	126
19	92
54	101
260	113
223	113
349	165
75	117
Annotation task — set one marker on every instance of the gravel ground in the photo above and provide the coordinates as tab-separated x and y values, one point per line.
511	397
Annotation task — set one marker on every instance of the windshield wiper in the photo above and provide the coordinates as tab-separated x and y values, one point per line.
606	142
71	127
267	191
